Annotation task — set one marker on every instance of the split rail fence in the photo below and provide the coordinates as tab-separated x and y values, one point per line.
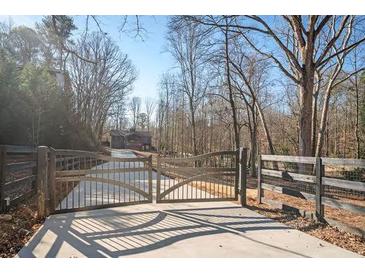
331	182
18	173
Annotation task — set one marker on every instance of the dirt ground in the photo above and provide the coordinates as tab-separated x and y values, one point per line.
17	231
343	216
322	231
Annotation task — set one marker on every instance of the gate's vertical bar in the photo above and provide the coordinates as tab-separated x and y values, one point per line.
259	179
243	175
150	178
158	188
42	180
51	180
2	177
319	189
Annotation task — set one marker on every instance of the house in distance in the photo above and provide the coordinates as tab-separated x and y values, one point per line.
129	139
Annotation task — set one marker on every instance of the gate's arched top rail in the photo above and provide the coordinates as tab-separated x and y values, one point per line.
97	155
199	157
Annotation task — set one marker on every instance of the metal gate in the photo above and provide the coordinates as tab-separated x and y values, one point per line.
81	180
208	177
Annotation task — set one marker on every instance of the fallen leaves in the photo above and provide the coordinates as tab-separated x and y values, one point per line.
324	232
17	230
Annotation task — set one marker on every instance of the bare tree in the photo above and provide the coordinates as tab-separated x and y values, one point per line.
334	76
142	120
300	51
99	87
167	90
187	45
135	107
150	106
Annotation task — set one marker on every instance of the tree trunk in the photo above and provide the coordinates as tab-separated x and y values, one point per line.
195	151
357	130
266	129
314	121
336	132
322	126
183	127
305	115
231	97
253	151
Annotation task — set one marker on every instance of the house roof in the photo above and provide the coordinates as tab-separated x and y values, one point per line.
117	132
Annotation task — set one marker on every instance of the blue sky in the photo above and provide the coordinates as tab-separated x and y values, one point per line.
149	56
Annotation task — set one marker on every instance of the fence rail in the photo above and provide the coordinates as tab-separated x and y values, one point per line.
326	180
17	174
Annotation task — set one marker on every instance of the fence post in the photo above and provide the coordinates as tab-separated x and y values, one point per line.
237	173
259	179
52	180
319	189
42	180
158	188
2	178
243	175
150	178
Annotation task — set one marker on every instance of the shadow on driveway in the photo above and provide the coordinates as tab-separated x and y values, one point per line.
110	233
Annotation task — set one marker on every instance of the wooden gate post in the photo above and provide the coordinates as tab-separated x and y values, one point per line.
42	165
259	179
243	175
51	181
2	178
319	190
158	188
150	178
237	173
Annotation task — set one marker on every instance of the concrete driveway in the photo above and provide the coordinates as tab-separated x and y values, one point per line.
210	229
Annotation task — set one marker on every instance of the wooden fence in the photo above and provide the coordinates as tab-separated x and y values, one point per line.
324	181
17	174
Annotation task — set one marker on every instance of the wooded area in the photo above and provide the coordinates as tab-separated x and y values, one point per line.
290	85
57	88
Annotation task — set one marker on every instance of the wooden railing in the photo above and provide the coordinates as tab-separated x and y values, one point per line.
310	171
